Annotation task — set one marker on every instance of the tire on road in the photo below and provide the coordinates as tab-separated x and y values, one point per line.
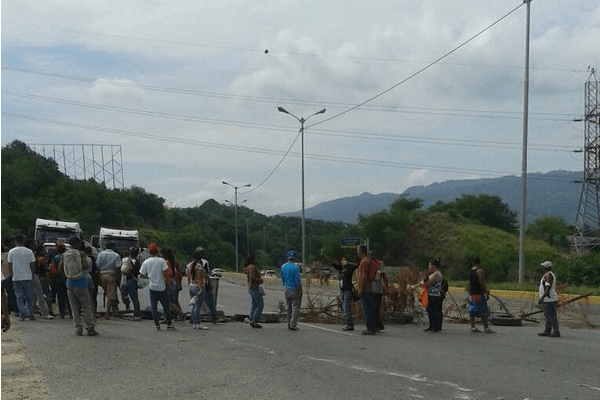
505	320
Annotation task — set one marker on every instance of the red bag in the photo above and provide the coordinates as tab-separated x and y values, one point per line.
53	272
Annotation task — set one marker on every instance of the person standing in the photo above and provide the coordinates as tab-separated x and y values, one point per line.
210	295
197	276
21	261
380	289
366	275
109	265
154	269
78	286
549	300
131	269
292	285
478	295
433	284
39	274
59	282
254	281
347	291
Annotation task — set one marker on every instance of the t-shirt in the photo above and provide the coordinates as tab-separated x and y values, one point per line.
290	276
435	290
154	268
377	282
108	261
21	258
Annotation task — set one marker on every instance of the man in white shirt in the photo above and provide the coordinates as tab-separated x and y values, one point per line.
21	261
549	300
154	269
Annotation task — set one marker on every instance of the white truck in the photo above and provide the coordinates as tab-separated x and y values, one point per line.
124	239
49	232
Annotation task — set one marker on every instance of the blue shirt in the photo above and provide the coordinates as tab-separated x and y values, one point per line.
290	276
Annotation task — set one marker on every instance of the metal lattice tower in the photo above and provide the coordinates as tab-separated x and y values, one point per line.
587	223
100	162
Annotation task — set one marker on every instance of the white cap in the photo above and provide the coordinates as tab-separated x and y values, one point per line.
547	264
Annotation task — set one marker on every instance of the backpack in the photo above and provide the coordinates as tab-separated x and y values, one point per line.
127	267
73	264
375	270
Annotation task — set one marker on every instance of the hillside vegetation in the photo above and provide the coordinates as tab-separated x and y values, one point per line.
404	235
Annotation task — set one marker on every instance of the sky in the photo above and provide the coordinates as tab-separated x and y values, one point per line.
415	92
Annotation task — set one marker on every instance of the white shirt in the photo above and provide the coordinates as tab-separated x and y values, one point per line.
154	268
21	258
552	295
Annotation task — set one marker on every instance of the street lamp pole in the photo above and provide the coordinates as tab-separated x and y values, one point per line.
235	188
302	120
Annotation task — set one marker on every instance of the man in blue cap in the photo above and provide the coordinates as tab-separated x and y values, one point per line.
292	284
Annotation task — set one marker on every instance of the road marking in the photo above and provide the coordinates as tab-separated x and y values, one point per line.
324	329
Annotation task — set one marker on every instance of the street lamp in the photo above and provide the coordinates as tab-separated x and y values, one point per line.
302	120
235	188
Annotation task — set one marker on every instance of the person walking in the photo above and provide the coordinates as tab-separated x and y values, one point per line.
548	298
197	276
154	269
21	261
39	273
347	292
433	284
256	297
292	286
478	296
78	285
366	275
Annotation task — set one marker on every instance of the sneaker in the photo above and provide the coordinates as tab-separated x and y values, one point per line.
171	328
555	334
293	328
348	328
543	334
368	332
49	316
157	327
255	325
136	318
488	330
475	330
92	332
202	327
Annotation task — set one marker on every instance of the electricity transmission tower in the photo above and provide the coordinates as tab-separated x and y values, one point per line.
100	162
587	222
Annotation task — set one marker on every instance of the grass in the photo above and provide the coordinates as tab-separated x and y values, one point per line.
532	287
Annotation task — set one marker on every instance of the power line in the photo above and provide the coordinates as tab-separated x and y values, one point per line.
550	116
275	51
419	71
321	132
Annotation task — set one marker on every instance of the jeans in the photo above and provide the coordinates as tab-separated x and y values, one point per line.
368	306
59	287
377	303
38	293
293	300
25	298
347	306
196	313
257	303
550	316
434	312
131	287
81	306
163	297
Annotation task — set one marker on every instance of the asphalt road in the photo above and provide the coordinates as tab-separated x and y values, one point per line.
130	360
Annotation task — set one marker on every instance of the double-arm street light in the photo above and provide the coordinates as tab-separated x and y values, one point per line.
302	120
235	188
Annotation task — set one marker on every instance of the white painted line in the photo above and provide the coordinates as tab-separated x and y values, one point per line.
325	329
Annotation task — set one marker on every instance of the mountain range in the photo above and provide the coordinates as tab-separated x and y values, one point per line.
553	193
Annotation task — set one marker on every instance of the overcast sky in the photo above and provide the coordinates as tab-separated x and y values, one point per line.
190	90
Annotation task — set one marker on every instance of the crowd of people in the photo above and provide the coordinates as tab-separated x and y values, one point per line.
71	275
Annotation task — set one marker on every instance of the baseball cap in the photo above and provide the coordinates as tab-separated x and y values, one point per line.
291	255
153	248
547	264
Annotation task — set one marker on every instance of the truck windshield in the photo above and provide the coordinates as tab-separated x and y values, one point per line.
54	235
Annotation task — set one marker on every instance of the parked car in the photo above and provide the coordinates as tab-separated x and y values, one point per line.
270	273
217	272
